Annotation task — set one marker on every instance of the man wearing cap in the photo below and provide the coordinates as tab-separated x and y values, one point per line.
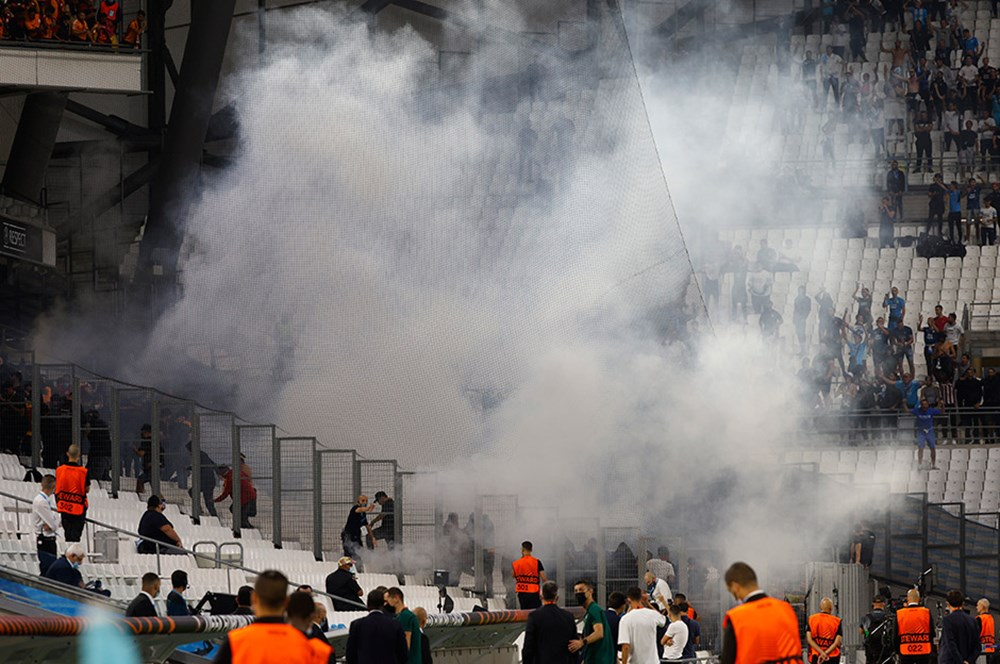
343	587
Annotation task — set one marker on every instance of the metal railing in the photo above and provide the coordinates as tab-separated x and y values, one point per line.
961	425
216	559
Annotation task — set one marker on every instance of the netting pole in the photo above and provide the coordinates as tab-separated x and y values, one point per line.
276	491
318	507
196	468
116	446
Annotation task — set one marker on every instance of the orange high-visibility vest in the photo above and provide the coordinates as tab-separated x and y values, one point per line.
987	633
823	628
914	625
767	632
526	575
321	651
71	489
269	643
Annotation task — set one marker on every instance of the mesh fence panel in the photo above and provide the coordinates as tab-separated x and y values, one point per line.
215	447
981	556
337	485
295	498
577	547
96	396
256	446
418	516
498	529
56	411
133	425
622	562
944	546
16	383
172	436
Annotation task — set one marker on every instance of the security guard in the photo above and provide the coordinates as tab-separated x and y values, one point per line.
873	630
987	631
529	575
761	629
914	630
824	634
268	640
72	485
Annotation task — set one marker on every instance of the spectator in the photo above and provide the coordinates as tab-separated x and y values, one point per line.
109	16
145	453
808	66
320	625
969	395
940	320
800	314
770	321
549	630
99	456
932	337
955	212
936	195
690	618
677	635
637	630
661	565
268	638
136	28
954	333
342	586
658	589
43	509
886	225
80	29
595	644
832	66
408	621
248	494
857	349
896	306
176	604
156	529
143	605
903	340
72	486
66	569
351	534
881	343
376	637
924	421
988	224
206	475
244	598
931	392
760	284
386	530
967	140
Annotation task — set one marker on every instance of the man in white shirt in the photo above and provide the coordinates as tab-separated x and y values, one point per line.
677	634
659	590
46	522
954	333
988	223
637	631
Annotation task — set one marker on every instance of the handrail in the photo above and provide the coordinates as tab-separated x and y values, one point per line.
48	585
178	549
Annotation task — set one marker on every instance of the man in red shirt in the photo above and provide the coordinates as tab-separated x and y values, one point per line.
939	320
248	494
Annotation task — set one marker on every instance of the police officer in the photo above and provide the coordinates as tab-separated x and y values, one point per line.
914	630
529	574
987	631
873	630
761	628
268	640
824	634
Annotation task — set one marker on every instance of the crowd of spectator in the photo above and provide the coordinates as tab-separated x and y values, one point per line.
76	22
938	79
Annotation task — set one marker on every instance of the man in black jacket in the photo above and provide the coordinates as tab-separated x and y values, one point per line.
142	606
549	631
959	635
342	585
376	637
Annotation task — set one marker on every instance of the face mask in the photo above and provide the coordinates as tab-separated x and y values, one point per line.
354	569
75	565
581	598
390	609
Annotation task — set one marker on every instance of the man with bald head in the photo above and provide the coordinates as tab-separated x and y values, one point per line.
824	634
914	631
987	630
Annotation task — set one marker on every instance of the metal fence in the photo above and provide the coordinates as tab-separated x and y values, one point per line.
337	485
